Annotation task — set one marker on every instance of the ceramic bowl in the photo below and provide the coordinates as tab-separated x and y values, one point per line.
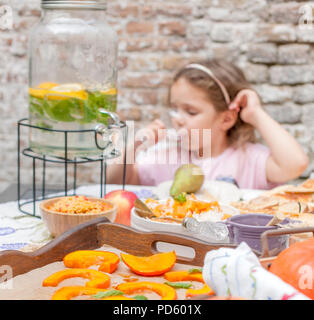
249	228
57	223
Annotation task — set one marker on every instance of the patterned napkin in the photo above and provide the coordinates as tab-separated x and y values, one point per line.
238	272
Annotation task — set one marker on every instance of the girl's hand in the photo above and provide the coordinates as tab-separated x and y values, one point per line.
248	104
151	134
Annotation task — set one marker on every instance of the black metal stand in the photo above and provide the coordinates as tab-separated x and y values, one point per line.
33	195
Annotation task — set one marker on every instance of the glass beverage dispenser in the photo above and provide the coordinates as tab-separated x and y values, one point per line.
72	76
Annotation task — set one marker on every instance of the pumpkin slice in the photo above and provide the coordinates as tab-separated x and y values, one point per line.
188	276
165	292
97	279
117	298
107	261
174	276
154	265
205	290
67	293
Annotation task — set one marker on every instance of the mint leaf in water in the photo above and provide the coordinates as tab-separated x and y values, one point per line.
43	124
89	114
47	108
36	108
73	109
62	111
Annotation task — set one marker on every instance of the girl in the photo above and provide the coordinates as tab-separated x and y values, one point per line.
213	99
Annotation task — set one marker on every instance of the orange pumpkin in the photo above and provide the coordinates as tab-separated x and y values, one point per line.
67	293
154	265
205	290
107	261
174	276
295	266
96	278
166	292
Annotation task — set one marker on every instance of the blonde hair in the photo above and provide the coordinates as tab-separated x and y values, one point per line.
234	81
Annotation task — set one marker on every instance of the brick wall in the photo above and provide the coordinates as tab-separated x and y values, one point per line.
156	37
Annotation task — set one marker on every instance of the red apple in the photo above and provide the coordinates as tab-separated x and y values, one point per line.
124	200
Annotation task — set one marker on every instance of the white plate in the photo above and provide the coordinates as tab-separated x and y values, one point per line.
249	194
221	191
148	225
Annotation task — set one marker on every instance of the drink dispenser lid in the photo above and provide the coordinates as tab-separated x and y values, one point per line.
78	4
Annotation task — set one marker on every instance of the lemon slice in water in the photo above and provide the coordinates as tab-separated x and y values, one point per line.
111	91
47	85
53	91
68	87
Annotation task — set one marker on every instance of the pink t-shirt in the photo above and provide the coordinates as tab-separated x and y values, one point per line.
247	165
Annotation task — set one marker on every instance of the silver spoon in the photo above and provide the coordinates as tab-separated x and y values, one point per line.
144	211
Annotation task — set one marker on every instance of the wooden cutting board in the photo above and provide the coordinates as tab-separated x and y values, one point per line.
31	268
28	286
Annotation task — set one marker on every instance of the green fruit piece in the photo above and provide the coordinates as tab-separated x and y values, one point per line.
188	178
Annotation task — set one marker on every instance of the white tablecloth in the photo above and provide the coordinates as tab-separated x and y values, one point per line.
18	230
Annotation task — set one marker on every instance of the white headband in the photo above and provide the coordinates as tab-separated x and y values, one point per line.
210	73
